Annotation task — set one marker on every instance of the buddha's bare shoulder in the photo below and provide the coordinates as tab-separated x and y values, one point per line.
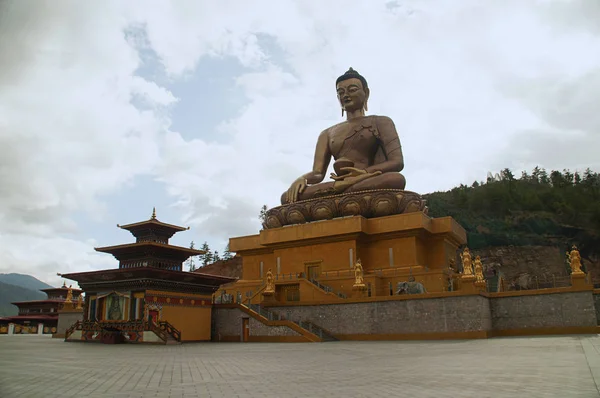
380	119
334	128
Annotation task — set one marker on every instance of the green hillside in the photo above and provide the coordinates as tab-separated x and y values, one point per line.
11	293
541	208
26	281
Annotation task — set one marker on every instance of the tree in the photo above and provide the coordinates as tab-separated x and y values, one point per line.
263	214
544	177
216	257
507	175
540	208
205	258
209	257
226	253
191	263
536	174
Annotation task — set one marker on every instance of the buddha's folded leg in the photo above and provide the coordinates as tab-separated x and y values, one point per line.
382	181
311	191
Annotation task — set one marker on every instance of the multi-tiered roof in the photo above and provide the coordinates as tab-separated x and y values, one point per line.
149	263
151	248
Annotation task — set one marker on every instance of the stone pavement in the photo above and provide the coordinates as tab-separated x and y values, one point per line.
38	366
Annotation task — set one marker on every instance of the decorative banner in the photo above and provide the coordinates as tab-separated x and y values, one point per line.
115	308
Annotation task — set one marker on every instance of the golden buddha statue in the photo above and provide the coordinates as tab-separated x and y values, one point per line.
466	259
69	297
79	302
270	287
575	260
359	280
68	303
478	269
366	149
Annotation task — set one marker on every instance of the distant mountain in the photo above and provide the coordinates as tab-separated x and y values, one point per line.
11	293
25	281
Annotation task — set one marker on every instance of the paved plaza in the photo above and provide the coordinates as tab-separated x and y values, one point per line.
39	366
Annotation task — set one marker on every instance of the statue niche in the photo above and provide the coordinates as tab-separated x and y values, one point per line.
367	158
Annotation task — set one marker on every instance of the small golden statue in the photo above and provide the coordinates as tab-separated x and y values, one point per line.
359	280
479	270
270	288
465	257
69	294
575	260
69	299
79	302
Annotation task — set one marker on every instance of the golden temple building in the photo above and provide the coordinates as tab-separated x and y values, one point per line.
149	298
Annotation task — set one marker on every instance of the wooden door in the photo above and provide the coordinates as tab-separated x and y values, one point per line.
312	272
245	329
154	316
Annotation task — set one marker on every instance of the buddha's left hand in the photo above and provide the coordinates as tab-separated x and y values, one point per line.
351	172
352	178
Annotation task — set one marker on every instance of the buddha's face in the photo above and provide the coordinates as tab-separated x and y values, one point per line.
351	94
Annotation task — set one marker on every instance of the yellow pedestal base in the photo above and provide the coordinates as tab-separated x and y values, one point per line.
578	279
392	249
359	291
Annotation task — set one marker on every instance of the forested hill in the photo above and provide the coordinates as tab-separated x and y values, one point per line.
545	209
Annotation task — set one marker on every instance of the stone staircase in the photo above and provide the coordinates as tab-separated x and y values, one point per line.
168	333
326	289
307	326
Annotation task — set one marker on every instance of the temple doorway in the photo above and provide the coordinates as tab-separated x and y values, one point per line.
245	329
313	270
154	316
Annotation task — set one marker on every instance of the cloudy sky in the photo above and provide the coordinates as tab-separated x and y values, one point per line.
208	110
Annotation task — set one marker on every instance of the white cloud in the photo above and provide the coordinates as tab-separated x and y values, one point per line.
68	130
471	87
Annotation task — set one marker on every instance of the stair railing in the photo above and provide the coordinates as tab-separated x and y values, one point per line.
170	329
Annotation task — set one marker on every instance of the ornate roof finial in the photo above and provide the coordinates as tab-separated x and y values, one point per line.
153	213
64	284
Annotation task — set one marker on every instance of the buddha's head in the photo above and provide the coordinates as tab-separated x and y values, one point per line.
352	91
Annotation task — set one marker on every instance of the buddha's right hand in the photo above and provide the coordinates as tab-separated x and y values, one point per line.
295	189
